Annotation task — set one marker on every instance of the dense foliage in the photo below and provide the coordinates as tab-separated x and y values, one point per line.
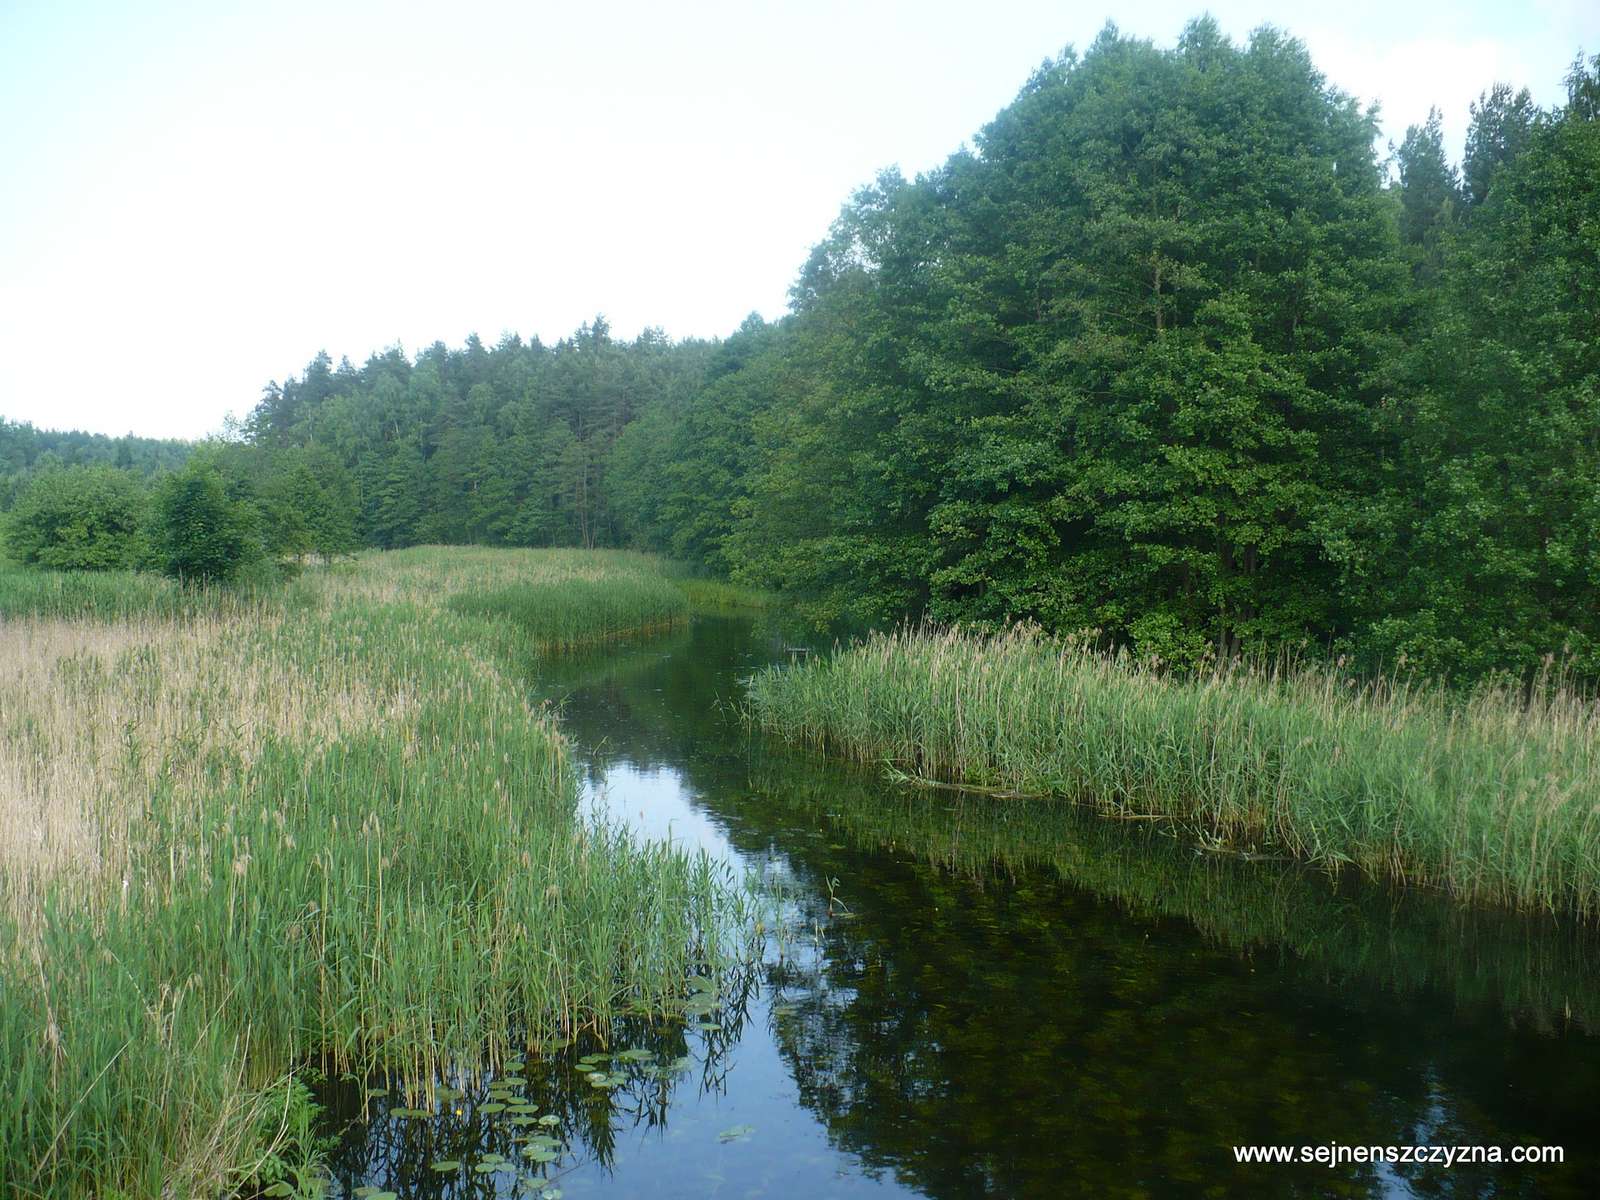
203	535
1170	353
77	519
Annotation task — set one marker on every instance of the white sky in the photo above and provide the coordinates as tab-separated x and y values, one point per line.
196	198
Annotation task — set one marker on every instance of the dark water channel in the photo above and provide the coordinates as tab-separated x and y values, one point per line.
964	998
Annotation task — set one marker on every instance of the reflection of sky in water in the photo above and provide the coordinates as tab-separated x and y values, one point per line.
655	804
788	1153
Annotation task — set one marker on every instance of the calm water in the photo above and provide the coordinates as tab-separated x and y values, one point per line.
962	998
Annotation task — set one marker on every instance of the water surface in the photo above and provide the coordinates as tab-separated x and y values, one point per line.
964	998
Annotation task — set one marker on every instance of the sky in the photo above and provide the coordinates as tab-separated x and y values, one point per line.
197	198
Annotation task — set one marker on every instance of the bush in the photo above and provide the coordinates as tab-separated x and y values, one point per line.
202	536
78	519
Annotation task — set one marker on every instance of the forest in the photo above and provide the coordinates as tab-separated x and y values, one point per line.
1172	354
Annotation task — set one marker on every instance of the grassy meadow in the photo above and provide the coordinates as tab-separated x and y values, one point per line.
322	827
1492	797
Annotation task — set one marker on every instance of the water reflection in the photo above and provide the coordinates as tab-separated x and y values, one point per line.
972	998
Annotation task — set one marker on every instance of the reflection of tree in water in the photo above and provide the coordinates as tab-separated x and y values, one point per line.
1026	1001
670	701
976	1047
984	1024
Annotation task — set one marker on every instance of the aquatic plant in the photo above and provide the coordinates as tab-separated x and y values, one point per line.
1492	796
573	612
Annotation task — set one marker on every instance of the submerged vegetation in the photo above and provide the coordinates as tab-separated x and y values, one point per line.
331	834
1493	797
1538	972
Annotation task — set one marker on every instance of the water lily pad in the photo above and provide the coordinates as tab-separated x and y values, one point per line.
736	1133
492	1107
444	1165
549	1119
409	1114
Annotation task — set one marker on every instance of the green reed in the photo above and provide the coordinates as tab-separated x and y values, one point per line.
719	595
102	595
378	867
565	613
1492	797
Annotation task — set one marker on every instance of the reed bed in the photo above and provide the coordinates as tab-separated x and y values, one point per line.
719	595
335	833
102	595
1493	797
567	613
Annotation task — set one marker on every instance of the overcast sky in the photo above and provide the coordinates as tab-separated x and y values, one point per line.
196	198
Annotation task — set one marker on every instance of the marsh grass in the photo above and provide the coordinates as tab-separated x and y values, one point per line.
334	833
99	595
1493	797
720	596
564	614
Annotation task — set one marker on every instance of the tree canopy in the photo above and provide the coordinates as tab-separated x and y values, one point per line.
1170	355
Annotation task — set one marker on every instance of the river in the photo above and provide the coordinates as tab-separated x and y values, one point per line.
960	997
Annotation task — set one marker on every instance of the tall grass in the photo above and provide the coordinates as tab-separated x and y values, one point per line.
1492	797
565	613
335	833
711	595
101	595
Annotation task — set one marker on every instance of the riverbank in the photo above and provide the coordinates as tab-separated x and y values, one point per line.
1491	799
319	827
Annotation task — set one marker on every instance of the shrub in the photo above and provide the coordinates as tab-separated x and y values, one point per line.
201	535
77	519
